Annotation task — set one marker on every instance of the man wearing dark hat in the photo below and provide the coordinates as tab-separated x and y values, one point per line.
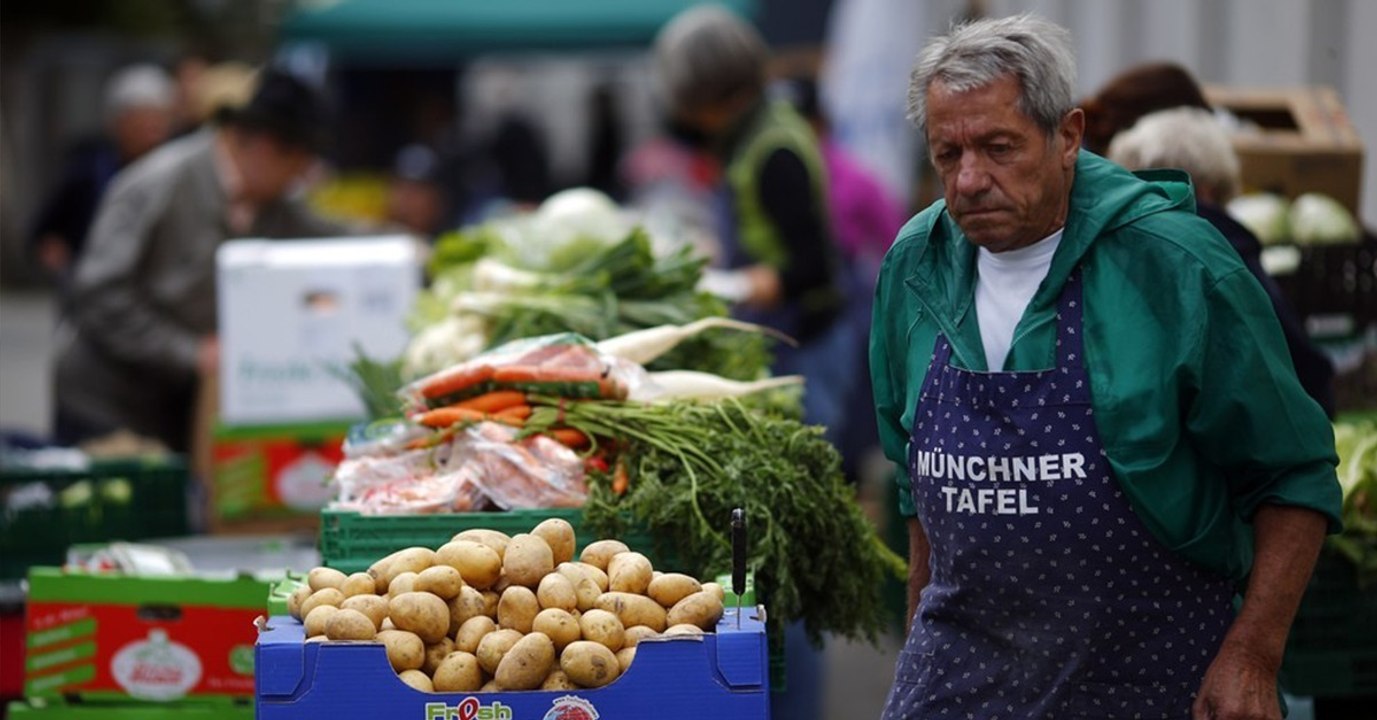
143	316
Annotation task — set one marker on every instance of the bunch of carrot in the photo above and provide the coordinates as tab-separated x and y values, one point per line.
508	407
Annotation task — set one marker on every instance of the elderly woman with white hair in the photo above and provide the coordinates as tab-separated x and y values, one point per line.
1192	139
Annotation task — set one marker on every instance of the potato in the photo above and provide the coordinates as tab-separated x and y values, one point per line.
422	613
636	633
374	607
556	591
296	599
404	583
634	610
716	589
558	680
349	625
441	581
497	541
528	559
671	588
414	559
604	628
318	618
490	601
459	672
517	609
435	654
526	665
472	632
586	591
490	686
596	574
559	535
701	608
467	605
478	564
624	658
503	582
494	646
589	664
317	639
417	680
629	572
600	553
559	626
387	624
324	596
358	584
324	577
683	629
405	651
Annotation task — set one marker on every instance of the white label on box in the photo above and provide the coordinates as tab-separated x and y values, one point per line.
292	313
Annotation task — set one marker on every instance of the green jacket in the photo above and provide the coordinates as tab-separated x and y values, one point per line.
1194	394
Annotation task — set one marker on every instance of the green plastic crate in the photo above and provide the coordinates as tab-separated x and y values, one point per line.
1332	648
125	500
350	542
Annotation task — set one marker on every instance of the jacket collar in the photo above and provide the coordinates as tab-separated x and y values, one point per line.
1104	197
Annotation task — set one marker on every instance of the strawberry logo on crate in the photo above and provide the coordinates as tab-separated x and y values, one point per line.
570	707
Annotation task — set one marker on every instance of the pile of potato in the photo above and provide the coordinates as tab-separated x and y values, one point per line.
489	612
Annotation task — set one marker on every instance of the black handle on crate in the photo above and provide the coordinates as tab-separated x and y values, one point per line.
738	551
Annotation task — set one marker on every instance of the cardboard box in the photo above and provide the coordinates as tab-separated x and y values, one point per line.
107	637
721	675
291	314
1305	143
44	710
273	473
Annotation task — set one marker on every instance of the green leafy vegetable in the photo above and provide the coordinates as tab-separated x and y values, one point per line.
815	556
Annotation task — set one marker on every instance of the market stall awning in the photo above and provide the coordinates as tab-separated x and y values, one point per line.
437	30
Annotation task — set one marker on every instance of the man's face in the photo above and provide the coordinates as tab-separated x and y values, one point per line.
1007	184
269	167
140	129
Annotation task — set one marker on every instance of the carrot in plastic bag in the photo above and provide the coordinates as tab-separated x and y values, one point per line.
494	402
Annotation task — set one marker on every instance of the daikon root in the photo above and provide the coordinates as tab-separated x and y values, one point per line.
643	346
691	385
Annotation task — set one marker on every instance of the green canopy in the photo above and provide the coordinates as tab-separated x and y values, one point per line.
441	30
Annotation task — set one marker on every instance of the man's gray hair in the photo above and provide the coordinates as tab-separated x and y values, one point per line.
1034	51
1187	138
138	86
708	55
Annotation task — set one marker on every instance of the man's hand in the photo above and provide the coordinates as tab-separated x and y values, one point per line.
1241	682
1239	685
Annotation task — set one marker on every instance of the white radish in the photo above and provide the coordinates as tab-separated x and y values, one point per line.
643	346
691	385
492	276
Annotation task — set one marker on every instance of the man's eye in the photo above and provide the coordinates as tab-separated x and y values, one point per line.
999	149
947	156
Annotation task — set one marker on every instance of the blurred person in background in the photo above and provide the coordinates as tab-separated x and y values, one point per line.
142	322
1191	139
783	267
772	204
416	198
139	106
866	217
1134	93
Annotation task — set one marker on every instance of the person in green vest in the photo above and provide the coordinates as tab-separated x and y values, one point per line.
1102	435
778	259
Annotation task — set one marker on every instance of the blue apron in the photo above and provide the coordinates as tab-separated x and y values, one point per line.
1048	597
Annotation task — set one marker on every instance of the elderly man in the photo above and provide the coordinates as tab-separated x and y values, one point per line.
143	317
1102	434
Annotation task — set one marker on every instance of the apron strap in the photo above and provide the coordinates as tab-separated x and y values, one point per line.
1070	312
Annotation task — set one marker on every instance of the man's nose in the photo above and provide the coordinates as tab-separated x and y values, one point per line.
972	178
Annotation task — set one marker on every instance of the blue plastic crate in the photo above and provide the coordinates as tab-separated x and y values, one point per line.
722	675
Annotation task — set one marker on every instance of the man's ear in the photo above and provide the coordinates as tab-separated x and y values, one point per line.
1071	133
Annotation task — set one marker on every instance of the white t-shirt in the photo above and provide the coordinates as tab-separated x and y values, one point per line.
1004	285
